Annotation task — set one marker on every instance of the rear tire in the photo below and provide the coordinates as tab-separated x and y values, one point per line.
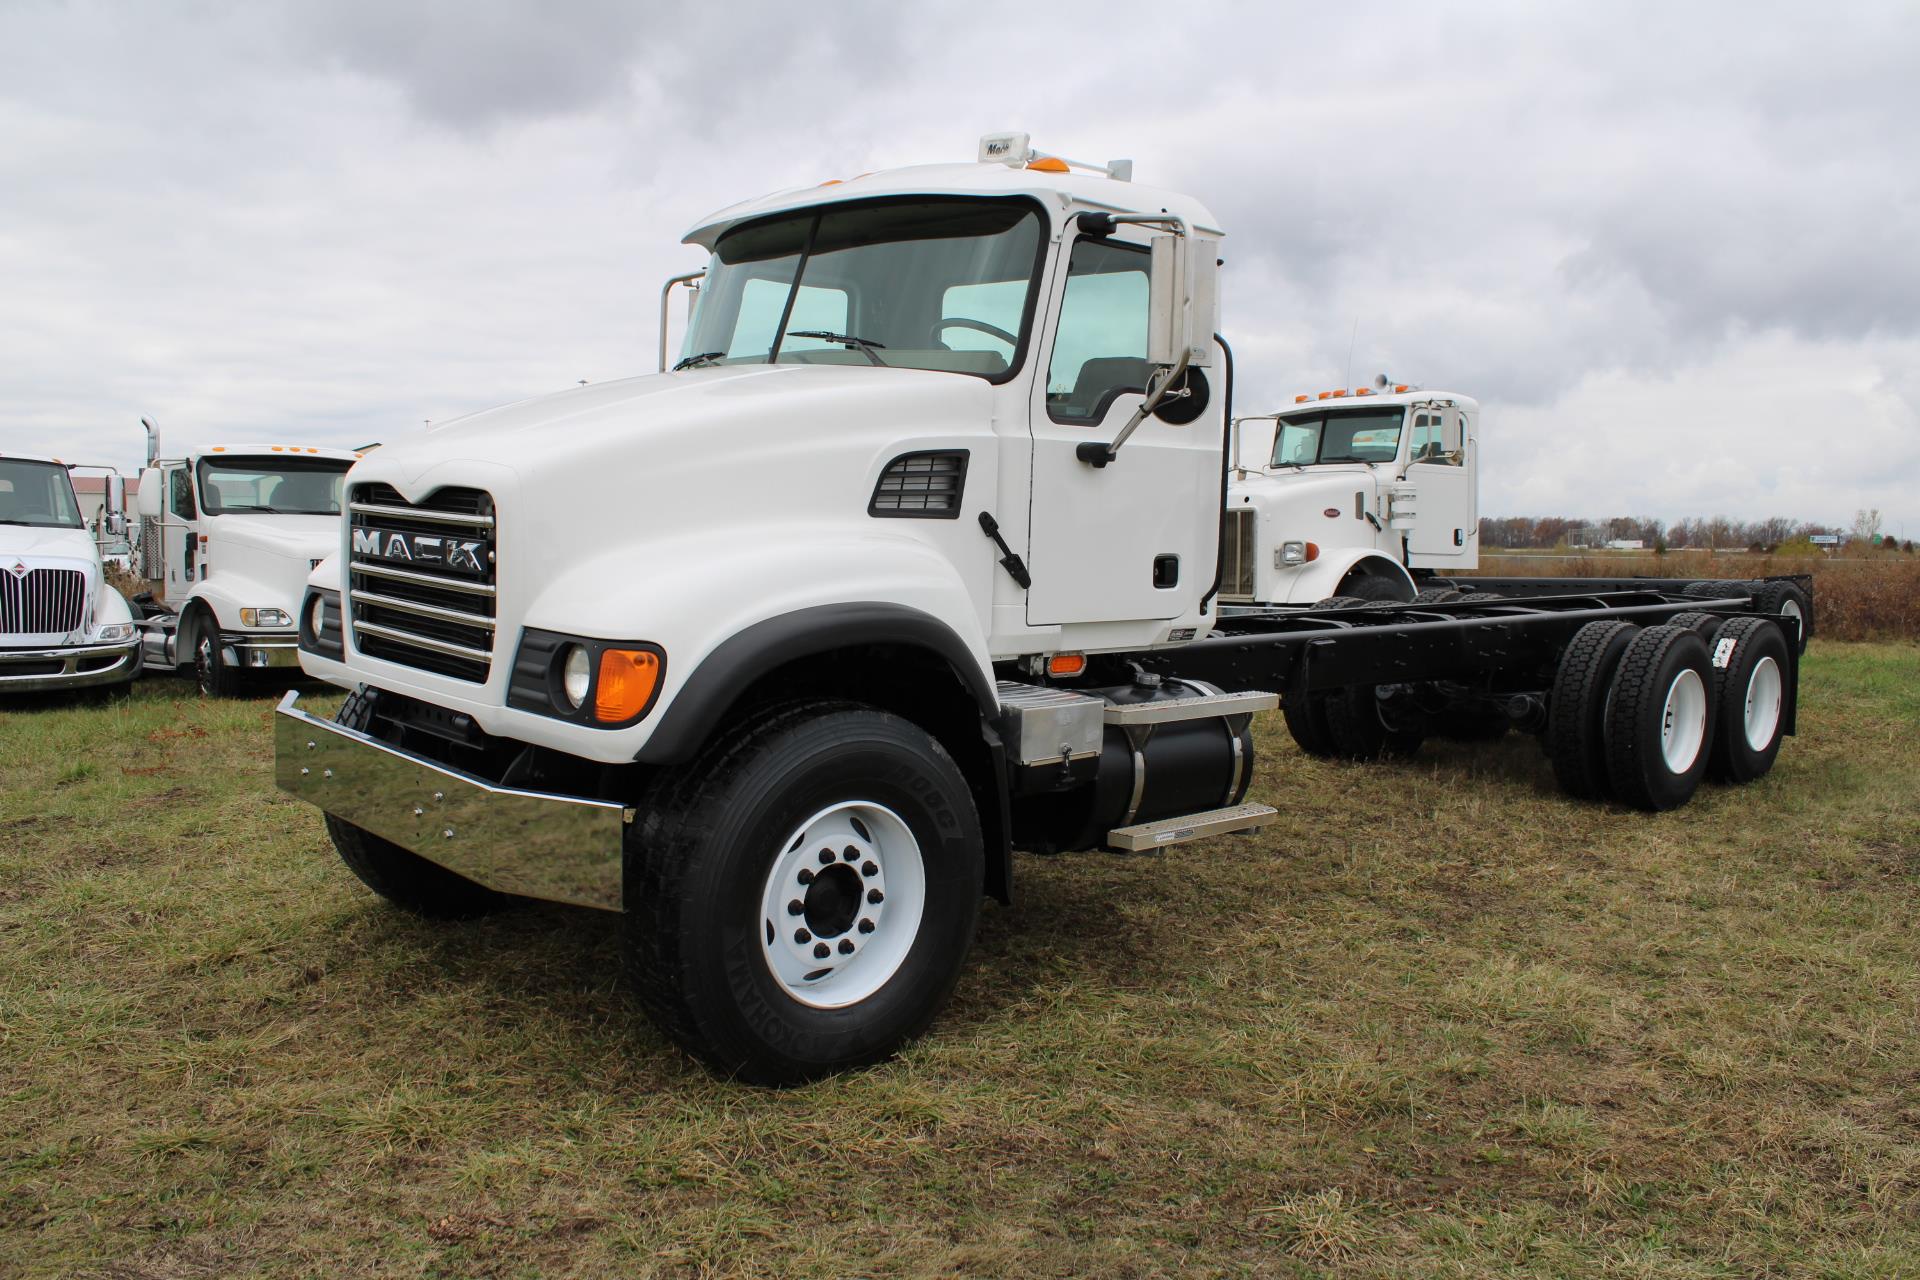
1660	719
1701	624
1749	699
1576	708
1306	718
1375	590
1358	723
1439	595
717	863
1787	598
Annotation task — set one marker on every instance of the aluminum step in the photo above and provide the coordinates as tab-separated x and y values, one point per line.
1191	826
1199	707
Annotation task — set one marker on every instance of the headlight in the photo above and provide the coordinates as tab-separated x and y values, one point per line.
576	676
316	613
1293	553
265	618
115	631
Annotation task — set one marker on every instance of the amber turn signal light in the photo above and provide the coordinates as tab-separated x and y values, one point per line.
1066	664
626	684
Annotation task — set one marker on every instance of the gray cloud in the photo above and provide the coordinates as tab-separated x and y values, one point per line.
336	220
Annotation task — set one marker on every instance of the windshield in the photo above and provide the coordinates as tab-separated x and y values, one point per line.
37	493
922	284
1338	435
278	486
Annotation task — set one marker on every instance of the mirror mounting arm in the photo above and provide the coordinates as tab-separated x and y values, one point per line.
1098	453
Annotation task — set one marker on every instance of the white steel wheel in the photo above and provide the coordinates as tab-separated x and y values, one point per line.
842	904
1765	693
1683	721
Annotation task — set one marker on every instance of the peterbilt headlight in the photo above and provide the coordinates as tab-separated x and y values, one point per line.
265	618
114	631
1295	552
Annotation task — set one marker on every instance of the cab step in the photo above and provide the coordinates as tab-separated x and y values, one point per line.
1191	826
1198	707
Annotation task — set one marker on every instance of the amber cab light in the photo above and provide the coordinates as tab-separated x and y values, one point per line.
1066	664
626	684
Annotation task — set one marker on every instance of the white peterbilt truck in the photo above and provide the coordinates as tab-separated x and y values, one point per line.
229	535
62	625
914	558
1362	494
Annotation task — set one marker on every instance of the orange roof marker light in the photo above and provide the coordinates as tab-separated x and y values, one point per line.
1362	391
1399	388
1341	392
628	680
1301	399
1049	164
1323	395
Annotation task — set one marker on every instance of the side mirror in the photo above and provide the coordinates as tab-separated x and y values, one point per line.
116	504
1183	301
148	498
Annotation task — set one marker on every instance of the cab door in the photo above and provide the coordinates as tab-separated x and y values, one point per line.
177	542
1138	538
1441	464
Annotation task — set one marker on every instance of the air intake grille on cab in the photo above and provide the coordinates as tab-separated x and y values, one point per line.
421	583
926	486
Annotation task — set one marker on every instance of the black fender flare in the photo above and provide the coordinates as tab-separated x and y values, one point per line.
745	656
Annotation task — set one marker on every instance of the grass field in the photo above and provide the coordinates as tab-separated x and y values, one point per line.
1437	1021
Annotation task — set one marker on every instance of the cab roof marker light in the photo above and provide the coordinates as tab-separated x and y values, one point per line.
1362	391
1323	395
1399	388
1301	399
1341	392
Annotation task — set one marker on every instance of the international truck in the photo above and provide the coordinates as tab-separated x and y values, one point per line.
229	534
62	624
914	558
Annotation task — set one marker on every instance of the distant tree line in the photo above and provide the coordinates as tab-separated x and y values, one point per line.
1717	533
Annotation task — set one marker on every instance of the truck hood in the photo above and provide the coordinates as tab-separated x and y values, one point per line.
20	541
304	538
639	418
1313	489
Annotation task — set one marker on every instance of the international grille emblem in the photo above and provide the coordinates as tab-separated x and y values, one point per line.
17	569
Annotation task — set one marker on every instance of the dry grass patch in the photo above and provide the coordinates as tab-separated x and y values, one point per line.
1436	1021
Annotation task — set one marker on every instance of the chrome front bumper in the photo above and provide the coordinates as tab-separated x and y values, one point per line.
254	653
530	843
28	670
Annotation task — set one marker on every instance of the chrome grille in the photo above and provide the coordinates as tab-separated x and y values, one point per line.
421	582
1236	556
42	601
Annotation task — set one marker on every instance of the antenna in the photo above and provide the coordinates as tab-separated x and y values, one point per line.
1347	380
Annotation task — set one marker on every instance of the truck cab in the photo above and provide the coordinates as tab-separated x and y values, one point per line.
1360	493
62	625
229	534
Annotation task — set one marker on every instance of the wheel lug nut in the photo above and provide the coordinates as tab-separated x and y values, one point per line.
821	951
875	896
801	935
796	908
826	857
866	926
846	946
869	868
805	876
850	854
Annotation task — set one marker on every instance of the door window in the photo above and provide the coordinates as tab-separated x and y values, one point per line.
180	493
1433	441
1100	348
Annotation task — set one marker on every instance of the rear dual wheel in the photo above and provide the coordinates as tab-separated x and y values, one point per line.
1659	719
1750	659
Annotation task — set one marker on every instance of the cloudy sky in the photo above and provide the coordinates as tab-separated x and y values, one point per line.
1674	249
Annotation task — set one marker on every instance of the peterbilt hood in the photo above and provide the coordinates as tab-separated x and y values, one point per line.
1314	489
19	541
663	419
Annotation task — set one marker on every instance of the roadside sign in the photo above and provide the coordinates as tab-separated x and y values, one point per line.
1824	539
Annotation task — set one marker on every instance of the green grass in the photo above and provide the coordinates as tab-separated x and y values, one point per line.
1437	1021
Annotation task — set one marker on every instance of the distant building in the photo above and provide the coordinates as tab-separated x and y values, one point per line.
92	492
1626	544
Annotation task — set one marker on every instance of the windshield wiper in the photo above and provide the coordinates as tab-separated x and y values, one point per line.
867	346
703	358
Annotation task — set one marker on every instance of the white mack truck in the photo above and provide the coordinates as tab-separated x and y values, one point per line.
229	535
62	625
913	559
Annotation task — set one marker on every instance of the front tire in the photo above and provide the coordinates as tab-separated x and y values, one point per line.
211	671
743	850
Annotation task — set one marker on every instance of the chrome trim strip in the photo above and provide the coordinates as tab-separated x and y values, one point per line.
422	579
420	642
421	513
530	843
126	668
424	610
